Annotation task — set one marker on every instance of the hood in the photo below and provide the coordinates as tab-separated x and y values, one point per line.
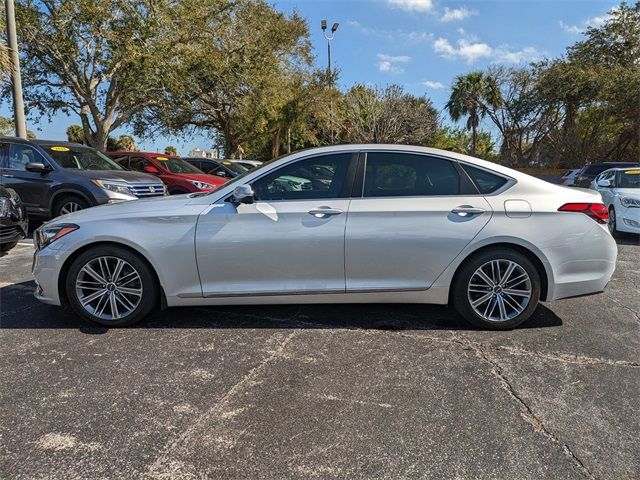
203	177
629	192
169	205
115	175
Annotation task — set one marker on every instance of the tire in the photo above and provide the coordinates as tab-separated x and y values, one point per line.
5	247
103	261
69	204
470	286
613	228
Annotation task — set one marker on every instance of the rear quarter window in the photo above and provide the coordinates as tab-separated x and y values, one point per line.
486	182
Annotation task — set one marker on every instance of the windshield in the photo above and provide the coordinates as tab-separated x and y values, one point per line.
81	158
630	179
177	165
235	167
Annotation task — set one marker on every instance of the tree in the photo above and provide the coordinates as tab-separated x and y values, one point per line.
75	133
387	115
459	140
126	142
5	60
471	95
171	150
7	128
233	65
97	59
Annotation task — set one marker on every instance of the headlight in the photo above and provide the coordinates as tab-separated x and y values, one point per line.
116	187
202	185
46	235
629	202
5	207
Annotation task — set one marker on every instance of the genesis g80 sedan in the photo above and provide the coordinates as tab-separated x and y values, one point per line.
340	224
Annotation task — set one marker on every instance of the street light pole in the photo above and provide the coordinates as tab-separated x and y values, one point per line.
16	79
328	38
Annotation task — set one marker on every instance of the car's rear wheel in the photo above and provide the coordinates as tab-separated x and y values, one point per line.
612	221
497	289
111	286
69	204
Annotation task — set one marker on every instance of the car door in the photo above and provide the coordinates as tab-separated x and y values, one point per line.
289	241
32	187
607	193
415	215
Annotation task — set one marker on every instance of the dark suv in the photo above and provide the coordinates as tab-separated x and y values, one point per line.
54	178
585	176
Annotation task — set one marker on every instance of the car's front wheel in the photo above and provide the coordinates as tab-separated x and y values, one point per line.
497	289
111	285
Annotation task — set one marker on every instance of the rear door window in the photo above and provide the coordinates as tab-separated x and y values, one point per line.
20	155
485	181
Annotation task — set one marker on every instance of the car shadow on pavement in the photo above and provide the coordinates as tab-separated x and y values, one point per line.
627	239
19	310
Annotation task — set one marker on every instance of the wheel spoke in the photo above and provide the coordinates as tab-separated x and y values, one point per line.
88	269
516	280
126	303
90	298
509	300
130	291
117	270
128	278
508	272
482	299
501	308
113	305
517	293
484	277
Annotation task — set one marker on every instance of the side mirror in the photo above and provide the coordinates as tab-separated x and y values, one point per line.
37	167
243	194
151	169
604	183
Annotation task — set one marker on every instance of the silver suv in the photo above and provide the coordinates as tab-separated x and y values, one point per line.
55	178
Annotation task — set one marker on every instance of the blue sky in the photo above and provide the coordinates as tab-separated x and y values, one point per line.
420	44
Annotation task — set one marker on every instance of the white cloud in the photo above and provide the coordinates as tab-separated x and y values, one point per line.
526	55
456	14
388	63
467	50
413	5
594	22
470	49
432	84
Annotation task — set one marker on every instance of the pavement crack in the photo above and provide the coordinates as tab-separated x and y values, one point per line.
155	470
529	415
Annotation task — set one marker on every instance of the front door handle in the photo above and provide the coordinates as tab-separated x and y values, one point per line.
467	210
6	175
323	212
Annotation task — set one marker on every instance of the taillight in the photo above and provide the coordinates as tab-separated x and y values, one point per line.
597	211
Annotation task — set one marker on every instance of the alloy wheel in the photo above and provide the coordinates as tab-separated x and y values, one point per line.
70	207
612	221
109	288
499	290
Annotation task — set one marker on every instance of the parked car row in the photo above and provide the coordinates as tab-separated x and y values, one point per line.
582	177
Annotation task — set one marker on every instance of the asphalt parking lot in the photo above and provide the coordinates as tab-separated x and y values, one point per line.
350	391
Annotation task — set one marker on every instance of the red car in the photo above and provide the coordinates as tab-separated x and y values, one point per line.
179	176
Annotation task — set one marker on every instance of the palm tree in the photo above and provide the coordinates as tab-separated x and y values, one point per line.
472	94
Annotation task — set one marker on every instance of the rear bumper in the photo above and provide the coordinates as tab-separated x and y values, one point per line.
583	267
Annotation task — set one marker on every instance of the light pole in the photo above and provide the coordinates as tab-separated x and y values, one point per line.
16	80
328	38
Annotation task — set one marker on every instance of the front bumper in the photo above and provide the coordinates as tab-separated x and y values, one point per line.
628	219
13	230
46	267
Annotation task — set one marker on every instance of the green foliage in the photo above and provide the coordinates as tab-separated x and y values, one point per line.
75	133
126	142
7	128
472	95
171	150
460	140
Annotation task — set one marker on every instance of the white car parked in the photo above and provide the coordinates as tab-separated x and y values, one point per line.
379	224
620	190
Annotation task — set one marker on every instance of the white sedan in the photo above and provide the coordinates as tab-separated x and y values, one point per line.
620	190
388	224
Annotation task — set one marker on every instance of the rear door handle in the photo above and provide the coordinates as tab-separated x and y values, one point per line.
323	212
467	210
6	175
